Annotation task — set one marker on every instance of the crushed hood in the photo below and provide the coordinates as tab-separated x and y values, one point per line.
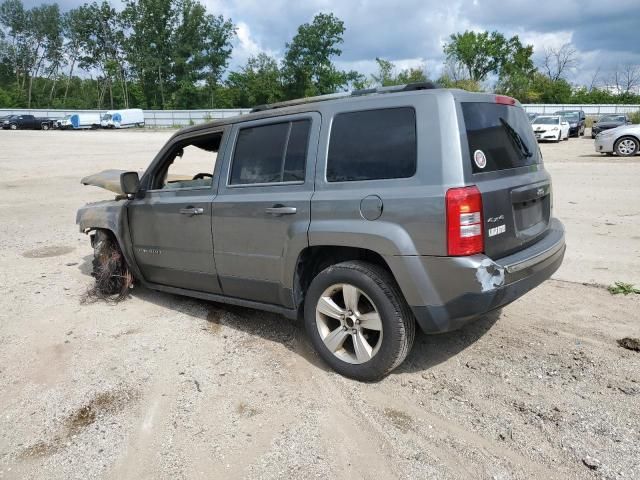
107	179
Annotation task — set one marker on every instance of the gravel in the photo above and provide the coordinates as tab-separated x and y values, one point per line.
161	386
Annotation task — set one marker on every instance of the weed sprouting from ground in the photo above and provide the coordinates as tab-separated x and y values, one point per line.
623	288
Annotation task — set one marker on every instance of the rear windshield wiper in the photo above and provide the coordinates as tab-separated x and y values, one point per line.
515	136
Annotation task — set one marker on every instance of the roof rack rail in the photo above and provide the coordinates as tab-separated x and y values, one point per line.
299	101
356	93
409	87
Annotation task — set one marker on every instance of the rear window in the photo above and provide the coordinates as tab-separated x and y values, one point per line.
372	145
500	137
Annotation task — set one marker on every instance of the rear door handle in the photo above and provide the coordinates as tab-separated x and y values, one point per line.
191	211
281	210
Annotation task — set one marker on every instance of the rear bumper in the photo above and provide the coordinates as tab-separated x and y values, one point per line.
449	292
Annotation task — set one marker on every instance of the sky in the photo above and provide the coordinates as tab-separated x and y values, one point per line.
411	33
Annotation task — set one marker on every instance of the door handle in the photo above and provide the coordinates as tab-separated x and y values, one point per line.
191	211
281	210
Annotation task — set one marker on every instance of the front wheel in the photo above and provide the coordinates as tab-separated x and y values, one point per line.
13	126
358	320
626	147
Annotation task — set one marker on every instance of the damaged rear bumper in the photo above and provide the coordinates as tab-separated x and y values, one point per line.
448	292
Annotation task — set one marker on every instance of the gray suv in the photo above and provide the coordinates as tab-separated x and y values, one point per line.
364	214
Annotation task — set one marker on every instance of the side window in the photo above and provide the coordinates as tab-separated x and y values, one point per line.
372	145
190	164
271	153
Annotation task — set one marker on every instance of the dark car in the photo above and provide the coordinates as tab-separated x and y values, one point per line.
607	122
27	122
576	119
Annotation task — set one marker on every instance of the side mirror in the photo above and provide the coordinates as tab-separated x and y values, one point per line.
129	183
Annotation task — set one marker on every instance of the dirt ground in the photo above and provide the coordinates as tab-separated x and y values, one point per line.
165	387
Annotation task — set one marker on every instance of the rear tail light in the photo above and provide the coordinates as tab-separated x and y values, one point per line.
504	100
465	234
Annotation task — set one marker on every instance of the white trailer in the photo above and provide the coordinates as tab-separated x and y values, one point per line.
132	117
78	121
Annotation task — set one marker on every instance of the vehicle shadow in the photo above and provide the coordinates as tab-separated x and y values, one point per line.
431	350
428	350
268	326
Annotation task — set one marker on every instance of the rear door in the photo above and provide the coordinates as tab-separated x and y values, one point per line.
261	215
506	165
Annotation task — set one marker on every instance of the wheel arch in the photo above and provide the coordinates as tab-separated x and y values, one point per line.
110	216
313	259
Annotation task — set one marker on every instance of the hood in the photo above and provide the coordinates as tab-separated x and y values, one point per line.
604	125
110	179
107	179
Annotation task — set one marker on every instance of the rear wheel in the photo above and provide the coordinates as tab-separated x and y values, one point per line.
45	126
627	146
358	320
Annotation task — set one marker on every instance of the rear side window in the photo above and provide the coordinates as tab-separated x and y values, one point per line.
372	145
500	137
271	153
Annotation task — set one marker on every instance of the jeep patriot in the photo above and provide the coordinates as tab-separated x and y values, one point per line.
363	214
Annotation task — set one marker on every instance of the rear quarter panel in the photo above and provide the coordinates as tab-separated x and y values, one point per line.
412	220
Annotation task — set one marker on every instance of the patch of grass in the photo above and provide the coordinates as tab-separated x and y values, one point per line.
623	288
635	116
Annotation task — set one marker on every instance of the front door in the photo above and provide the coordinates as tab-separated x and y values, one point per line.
261	214
171	224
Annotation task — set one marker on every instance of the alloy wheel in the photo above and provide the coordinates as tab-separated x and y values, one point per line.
626	147
349	323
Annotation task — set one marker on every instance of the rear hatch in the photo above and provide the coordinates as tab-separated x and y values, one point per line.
506	167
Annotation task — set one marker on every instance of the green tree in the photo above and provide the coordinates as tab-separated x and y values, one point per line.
308	67
258	82
386	74
485	53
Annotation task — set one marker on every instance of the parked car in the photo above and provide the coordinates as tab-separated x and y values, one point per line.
79	121
362	214
132	117
27	122
623	141
550	127
608	121
577	121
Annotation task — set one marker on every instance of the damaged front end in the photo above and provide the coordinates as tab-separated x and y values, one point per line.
114	267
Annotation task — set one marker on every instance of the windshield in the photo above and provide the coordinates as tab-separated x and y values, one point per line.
613	118
502	133
547	120
106	116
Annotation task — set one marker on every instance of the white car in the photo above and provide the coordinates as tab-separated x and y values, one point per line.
550	127
624	141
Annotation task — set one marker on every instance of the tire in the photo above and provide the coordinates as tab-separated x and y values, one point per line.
626	146
13	126
110	270
45	127
379	303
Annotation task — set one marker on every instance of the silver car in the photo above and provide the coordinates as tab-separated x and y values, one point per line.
623	141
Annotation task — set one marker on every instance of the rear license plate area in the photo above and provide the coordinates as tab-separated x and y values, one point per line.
531	216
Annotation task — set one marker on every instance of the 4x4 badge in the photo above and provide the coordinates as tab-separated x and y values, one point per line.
480	158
